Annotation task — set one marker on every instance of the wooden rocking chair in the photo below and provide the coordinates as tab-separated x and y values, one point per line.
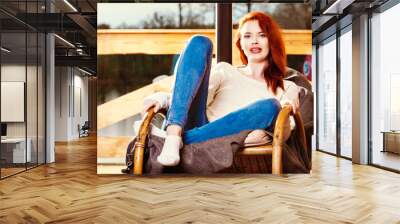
280	136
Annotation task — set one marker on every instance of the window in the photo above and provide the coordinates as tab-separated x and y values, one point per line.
23	77
327	96
385	89
346	94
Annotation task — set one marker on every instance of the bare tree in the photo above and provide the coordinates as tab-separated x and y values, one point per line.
186	17
293	16
288	15
103	26
180	14
159	21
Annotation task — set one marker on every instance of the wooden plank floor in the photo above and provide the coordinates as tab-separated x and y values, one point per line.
70	191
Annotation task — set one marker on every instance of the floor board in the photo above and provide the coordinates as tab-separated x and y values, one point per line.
70	191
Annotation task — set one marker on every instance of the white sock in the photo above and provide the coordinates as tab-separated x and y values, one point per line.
169	155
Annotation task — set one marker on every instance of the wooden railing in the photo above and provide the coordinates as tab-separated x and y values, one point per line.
129	104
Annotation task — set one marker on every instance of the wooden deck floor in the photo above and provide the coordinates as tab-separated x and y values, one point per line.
70	191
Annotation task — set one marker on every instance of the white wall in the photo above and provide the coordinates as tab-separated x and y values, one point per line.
33	126
14	73
61	103
71	94
80	97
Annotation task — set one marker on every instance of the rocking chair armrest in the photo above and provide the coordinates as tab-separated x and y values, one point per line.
141	142
282	127
282	133
145	126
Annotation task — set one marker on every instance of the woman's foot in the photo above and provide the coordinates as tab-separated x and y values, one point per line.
169	155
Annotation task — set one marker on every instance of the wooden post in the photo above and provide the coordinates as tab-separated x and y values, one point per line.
224	32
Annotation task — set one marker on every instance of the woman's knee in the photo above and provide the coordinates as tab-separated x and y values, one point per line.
265	106
201	42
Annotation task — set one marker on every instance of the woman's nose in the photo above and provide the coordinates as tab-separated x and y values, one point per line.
254	40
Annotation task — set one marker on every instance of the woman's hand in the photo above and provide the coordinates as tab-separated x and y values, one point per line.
294	104
148	104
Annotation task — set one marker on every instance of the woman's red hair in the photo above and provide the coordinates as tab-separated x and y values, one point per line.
276	58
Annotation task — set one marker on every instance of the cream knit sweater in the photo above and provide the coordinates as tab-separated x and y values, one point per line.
230	89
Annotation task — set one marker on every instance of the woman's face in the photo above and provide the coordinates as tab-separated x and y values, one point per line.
254	42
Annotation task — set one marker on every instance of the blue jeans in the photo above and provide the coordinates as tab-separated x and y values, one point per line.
189	100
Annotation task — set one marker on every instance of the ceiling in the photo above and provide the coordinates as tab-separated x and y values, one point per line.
330	15
74	21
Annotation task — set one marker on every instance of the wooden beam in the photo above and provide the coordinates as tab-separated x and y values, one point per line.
161	41
129	104
172	41
112	146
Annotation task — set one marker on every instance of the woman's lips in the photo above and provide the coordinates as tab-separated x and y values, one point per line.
255	50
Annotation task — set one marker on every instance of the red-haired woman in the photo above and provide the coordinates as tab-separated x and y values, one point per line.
208	103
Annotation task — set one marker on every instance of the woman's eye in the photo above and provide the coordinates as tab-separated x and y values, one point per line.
263	35
246	36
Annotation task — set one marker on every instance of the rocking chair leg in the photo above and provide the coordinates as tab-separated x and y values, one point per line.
277	160
127	170
138	159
